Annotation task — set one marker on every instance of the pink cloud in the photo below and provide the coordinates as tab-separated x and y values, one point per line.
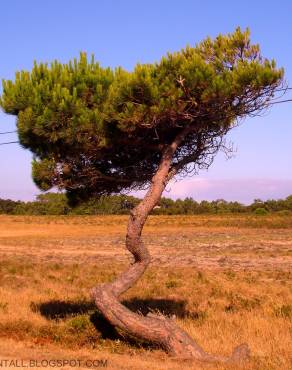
242	190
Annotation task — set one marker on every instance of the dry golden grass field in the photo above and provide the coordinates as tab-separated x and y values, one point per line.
227	280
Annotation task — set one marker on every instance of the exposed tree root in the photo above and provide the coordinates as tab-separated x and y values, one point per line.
157	329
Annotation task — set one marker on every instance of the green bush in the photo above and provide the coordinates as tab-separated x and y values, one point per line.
261	211
79	323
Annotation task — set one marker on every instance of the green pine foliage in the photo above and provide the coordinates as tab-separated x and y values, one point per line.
95	130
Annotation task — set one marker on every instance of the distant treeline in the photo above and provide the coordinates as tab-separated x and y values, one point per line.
57	204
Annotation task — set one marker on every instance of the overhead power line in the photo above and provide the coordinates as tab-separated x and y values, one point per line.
271	103
10	142
281	101
7	132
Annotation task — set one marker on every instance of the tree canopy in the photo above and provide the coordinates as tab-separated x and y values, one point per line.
96	130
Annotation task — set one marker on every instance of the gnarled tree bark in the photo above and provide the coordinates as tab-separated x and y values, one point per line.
154	328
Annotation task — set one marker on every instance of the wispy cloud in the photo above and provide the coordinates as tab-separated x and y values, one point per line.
199	188
242	190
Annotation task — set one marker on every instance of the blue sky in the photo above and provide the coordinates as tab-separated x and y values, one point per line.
124	32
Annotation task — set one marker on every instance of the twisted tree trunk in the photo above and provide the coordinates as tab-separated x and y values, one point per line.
154	328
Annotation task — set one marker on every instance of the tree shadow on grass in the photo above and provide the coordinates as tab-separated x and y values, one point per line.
60	310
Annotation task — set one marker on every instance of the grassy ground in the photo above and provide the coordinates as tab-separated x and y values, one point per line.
227	280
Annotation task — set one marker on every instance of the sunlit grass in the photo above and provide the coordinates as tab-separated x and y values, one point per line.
49	264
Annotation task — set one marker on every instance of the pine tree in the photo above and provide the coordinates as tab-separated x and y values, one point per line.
97	131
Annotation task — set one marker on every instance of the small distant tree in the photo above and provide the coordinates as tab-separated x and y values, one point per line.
53	203
257	203
8	206
288	203
97	131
